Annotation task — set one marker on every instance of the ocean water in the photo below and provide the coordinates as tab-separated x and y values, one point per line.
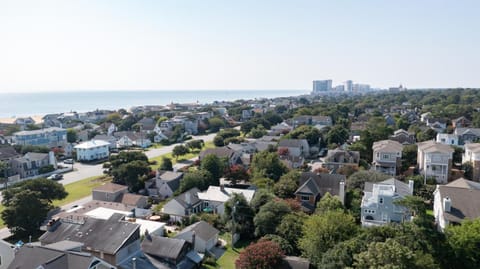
41	103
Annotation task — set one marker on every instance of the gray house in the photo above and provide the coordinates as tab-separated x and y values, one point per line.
378	202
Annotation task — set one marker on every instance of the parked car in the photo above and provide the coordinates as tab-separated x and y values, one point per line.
55	177
68	161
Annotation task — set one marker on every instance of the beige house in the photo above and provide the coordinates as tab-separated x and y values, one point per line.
435	160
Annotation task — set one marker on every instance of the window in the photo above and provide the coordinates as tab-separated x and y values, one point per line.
380	200
305	198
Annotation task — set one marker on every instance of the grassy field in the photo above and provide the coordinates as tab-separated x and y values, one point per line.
185	157
227	261
81	189
430	212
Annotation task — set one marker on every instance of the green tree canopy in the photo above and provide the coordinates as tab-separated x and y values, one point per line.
166	164
198	178
46	189
268	165
329	203
179	150
269	217
215	166
287	185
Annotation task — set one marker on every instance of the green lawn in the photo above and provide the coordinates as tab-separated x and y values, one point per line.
186	157
81	189
430	212
227	261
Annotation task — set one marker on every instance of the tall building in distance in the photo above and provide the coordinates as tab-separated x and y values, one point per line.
348	86
322	86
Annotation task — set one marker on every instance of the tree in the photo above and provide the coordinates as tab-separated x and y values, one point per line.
328	203
247	126
71	135
337	135
388	254
179	150
238	210
199	178
236	173
321	232
215	124
166	164
46	189
126	157
290	229
269	217
261	255
268	165
261	197
409	156
287	185
218	141
358	179
214	165
195	144
310	133
25	213
464	240
257	132
3	171
132	174
468	170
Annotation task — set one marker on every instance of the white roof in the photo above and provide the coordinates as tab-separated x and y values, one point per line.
215	193
151	226
105	213
92	144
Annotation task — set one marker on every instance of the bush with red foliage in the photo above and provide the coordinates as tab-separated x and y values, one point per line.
264	254
282	151
294	204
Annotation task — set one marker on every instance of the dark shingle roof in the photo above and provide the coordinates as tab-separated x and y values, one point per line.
28	257
163	247
182	198
202	230
465	203
107	236
291	143
171	178
219	152
7	152
320	183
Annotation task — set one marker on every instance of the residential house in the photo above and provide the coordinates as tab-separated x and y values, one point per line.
447	139
472	156
201	235
455	202
439	125
292	162
232	156
31	164
313	187
147	124
183	205
8	153
295	147
461	122
247	114
164	184
110	139
7	254
435	160
59	255
214	197
113	240
92	150
321	122
379	202
387	157
109	192
281	128
293	262
403	137
389	120
130	139
189	124
338	158
164	252
49	137
467	135
425	116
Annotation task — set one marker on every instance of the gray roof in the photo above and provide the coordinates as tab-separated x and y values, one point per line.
181	199
465	203
40	131
202	230
312	183
171	178
291	143
163	247
28	257
462	131
7	152
107	236
65	245
464	183
291	262
219	152
400	187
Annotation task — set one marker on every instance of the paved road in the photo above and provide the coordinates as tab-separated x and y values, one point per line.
83	171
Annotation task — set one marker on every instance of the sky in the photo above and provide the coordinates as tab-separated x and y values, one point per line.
250	44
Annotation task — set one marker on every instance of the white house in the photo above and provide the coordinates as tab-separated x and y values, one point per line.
472	155
378	202
435	160
202	235
447	139
456	201
183	205
7	254
215	197
387	155
92	150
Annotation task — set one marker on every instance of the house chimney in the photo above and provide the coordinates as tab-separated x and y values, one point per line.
147	235
134	263
410	186
447	204
341	192
188	198
193	239
222	188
